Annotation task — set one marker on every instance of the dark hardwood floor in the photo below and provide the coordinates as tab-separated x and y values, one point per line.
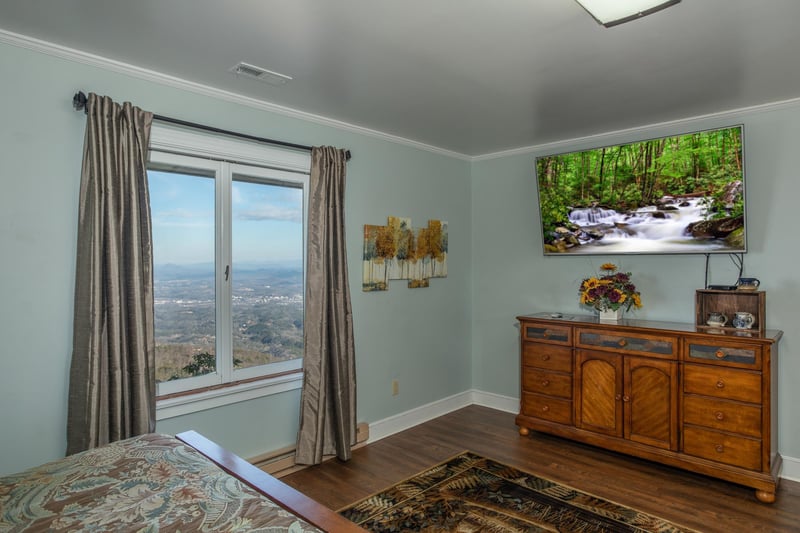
692	500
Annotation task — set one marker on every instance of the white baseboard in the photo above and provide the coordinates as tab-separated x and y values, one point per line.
791	469
495	401
400	422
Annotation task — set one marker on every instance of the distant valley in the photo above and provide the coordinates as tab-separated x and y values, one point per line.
267	315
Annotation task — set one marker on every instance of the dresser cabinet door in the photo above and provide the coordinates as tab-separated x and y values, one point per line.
650	402
598	392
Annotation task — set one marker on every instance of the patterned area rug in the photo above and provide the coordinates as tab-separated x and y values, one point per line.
472	493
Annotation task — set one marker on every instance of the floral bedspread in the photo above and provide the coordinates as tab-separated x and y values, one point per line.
150	483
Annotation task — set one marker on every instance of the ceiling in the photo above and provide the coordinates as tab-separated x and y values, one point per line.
471	77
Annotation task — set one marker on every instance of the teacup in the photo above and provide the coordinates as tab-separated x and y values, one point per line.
716	319
743	320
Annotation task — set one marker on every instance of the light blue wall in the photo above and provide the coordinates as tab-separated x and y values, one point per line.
456	335
511	276
420	337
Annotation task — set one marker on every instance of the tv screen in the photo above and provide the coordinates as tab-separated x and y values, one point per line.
678	194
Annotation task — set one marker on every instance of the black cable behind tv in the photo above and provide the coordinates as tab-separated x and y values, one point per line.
738	260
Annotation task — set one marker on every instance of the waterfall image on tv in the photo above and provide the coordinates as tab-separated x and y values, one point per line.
679	194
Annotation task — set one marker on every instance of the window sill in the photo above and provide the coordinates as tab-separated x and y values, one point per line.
192	403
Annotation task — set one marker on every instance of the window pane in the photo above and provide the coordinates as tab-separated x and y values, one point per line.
182	211
267	282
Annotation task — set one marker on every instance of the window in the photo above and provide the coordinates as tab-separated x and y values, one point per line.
228	223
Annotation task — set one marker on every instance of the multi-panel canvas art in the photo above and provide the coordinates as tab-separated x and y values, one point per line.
398	251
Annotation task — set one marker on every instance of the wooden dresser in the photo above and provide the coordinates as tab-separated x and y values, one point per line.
683	395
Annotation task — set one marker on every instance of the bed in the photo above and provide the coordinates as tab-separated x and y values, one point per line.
159	483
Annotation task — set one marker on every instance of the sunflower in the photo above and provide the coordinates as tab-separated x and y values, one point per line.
611	290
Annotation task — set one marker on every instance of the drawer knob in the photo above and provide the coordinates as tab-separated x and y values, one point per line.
719	415
545	335
623	343
545	382
626	398
720	448
720	354
545	357
618	397
720	384
545	408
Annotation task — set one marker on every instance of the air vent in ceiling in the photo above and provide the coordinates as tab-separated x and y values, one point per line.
260	74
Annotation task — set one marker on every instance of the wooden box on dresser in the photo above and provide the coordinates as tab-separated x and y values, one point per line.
684	395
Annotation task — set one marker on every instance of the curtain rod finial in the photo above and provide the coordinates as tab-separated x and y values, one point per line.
79	101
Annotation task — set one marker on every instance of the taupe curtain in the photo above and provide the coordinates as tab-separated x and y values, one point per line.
112	376
328	404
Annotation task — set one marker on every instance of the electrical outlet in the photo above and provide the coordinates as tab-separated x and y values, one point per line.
395	387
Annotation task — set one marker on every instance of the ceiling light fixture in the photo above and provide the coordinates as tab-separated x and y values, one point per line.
613	12
260	74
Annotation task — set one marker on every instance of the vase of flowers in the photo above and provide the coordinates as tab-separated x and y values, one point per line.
610	293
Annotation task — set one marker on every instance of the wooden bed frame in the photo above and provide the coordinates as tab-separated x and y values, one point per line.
287	497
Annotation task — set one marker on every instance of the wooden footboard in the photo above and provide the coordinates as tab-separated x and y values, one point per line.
287	497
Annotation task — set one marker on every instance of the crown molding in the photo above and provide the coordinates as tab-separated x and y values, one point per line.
78	56
567	144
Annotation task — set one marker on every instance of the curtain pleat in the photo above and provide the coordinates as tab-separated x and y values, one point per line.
328	403
112	374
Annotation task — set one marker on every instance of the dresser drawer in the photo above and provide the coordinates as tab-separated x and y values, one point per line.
547	408
722	447
741	355
545	382
723	415
546	356
721	382
549	333
661	346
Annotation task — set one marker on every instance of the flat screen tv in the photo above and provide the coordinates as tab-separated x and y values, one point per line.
682	194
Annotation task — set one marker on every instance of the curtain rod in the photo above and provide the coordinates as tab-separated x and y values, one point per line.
79	103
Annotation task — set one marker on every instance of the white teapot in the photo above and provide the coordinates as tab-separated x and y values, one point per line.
716	320
743	320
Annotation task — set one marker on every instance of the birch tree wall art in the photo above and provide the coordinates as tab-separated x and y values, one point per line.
398	251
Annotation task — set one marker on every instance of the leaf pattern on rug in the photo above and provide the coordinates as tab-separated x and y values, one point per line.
473	493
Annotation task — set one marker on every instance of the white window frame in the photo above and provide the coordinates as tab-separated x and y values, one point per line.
225	157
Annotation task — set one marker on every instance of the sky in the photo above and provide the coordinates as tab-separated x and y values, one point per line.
266	221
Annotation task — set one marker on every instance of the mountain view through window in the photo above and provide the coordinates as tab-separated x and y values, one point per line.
225	289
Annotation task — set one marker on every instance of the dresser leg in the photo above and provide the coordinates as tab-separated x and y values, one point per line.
765	496
524	431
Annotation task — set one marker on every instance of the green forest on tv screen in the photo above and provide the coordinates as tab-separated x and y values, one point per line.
679	194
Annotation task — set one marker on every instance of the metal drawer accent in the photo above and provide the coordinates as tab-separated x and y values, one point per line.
710	352
663	346
547	333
